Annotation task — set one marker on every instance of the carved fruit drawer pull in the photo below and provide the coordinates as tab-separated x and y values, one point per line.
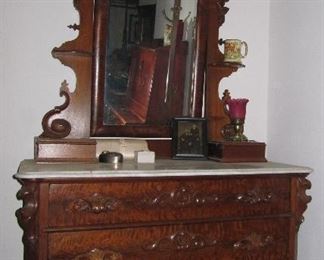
95	204
98	254
180	241
254	197
254	241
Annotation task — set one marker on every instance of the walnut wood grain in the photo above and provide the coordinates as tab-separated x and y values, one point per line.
253	239
113	204
220	217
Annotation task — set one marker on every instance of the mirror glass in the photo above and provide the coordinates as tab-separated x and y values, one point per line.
141	84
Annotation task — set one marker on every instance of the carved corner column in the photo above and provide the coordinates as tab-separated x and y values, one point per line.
302	199
27	217
299	201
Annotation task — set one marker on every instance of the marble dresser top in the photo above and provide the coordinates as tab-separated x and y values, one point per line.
29	169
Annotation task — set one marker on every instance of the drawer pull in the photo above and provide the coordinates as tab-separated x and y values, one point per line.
99	254
183	196
95	204
255	197
181	241
254	241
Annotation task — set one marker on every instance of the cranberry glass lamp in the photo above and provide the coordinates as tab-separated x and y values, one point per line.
236	111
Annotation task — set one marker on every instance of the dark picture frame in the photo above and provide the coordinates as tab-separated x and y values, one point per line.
189	138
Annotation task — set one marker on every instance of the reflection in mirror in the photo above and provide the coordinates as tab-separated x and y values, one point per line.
142	37
130	25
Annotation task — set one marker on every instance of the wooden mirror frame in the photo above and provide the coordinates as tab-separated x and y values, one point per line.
67	128
146	130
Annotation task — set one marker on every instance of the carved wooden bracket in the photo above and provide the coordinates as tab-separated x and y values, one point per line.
65	121
66	128
27	218
58	128
302	199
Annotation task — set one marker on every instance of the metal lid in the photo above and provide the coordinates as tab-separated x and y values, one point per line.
110	157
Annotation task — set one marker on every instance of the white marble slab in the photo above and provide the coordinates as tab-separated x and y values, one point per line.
29	169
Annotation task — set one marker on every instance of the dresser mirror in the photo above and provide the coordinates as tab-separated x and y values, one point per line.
131	82
143	75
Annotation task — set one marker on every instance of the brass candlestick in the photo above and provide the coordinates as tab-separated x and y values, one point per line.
238	125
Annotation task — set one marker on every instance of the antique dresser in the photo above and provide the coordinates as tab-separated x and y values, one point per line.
167	210
77	208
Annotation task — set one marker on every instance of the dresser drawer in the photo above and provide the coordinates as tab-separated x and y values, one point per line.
253	240
138	201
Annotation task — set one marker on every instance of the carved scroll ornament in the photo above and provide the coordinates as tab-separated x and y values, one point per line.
59	127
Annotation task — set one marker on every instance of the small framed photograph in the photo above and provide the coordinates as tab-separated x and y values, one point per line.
189	138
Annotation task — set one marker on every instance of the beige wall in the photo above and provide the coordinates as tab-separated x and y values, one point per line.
296	104
30	81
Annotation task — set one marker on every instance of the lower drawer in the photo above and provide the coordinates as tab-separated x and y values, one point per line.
251	239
